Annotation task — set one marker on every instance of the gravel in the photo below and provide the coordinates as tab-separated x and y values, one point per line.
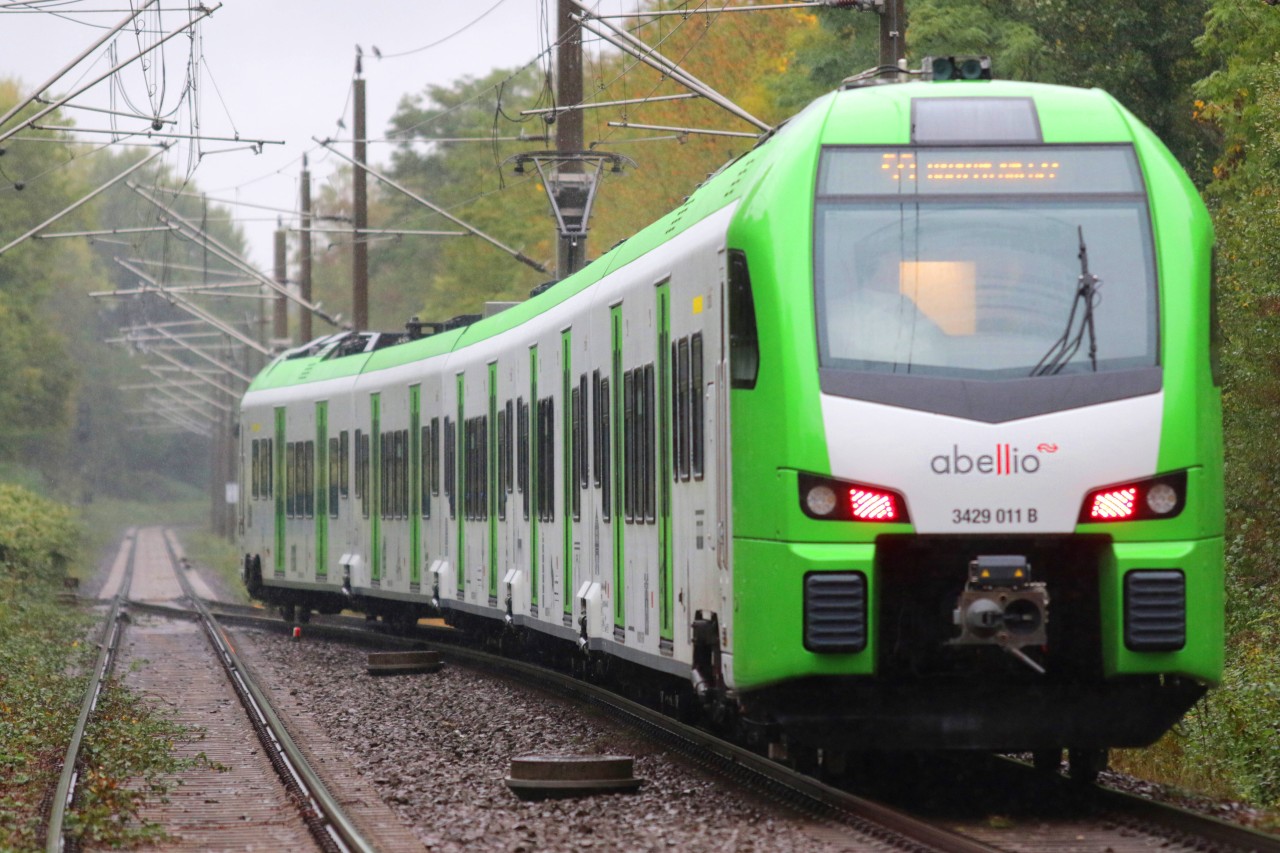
438	746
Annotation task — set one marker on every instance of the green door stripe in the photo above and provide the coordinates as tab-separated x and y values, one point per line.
322	489
491	478
566	468
616	450
415	485
535	479
666	557
375	487
280	487
460	487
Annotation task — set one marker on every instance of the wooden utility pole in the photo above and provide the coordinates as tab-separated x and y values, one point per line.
304	254
360	203
573	250
280	328
893	26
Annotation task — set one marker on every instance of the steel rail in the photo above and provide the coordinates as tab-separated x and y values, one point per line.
321	811
732	759
882	823
64	793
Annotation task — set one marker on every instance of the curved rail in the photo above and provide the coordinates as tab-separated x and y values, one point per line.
323	814
874	819
65	791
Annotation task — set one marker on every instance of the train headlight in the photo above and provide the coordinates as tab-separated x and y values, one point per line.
1158	497
1162	498
836	500
821	500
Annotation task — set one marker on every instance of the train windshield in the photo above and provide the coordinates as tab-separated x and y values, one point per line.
967	263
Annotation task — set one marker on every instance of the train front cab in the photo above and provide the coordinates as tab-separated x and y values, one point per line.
932	554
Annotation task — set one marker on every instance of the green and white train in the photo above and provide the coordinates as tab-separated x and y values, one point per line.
901	432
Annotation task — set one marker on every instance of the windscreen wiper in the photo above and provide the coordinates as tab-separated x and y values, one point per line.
1065	347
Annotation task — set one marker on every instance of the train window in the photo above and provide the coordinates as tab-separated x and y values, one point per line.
504	462
482	477
595	427
744	345
344	461
604	443
363	463
334	467
435	456
382	475
522	453
546	460
424	477
311	479
288	479
469	471
575	496
508	478
647	423
406	479
629	472
391	484
267	470
450	466
682	410
359	470
697	421
581	448
254	467
401	463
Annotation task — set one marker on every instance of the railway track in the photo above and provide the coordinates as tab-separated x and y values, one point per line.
261	792
1047	813
108	643
1063	816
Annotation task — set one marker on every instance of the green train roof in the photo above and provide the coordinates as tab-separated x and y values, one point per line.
872	115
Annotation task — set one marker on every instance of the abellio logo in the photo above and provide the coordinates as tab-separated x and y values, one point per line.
1006	460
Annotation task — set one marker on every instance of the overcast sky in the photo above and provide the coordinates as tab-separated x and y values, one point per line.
279	70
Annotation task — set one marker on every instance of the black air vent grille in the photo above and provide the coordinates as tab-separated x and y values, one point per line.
835	612
1155	611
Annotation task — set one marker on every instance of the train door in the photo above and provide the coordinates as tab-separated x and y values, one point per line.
321	474
619	592
571	503
666	556
278	464
491	486
732	274
533	490
413	487
374	488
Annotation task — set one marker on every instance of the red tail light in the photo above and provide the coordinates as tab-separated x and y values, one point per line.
836	500
1159	497
872	504
1114	505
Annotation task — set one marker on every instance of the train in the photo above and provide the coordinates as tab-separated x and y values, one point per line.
902	432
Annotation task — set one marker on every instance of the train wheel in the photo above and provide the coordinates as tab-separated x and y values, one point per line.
303	615
1046	760
1086	764
286	612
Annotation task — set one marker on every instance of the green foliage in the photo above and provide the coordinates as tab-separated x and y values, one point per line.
40	642
37	537
1141	52
44	658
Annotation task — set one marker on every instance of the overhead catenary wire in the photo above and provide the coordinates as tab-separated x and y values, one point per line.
5	134
58	75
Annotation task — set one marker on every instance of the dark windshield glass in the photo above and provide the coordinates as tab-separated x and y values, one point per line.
981	287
